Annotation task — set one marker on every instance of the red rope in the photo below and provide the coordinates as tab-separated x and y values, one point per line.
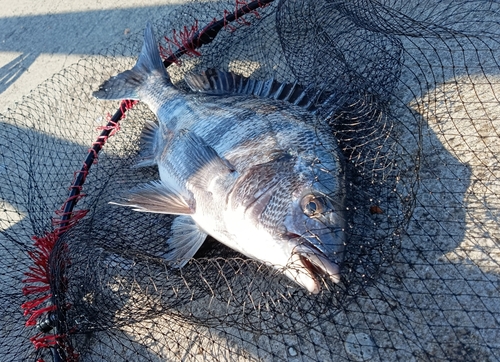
37	281
181	39
239	5
37	313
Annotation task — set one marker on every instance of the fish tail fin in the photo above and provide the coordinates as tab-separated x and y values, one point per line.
126	85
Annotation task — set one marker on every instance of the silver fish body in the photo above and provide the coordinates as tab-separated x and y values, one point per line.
262	176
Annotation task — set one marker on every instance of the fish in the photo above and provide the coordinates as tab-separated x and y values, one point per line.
242	160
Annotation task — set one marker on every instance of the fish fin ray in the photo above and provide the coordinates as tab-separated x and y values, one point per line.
126	85
213	81
204	161
217	82
157	197
144	162
185	240
149	59
149	145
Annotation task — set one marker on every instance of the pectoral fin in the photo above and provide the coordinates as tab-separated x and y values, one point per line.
185	241
157	197
198	162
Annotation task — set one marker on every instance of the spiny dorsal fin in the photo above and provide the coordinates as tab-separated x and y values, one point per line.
217	82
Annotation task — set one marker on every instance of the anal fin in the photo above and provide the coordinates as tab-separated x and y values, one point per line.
184	242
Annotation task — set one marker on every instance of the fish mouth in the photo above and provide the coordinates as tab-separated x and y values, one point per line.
308	264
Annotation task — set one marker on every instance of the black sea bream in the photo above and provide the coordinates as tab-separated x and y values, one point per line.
262	176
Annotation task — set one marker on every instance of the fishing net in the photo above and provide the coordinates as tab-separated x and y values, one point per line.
413	93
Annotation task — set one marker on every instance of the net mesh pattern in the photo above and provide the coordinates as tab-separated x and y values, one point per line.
413	89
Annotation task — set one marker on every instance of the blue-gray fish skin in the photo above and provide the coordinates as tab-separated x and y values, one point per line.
262	176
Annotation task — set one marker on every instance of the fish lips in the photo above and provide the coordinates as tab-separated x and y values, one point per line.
307	263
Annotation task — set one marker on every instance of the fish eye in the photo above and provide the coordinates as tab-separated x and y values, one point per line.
312	205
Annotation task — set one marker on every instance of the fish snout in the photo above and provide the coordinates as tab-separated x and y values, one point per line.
317	262
307	263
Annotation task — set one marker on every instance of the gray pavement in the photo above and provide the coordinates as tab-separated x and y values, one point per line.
40	38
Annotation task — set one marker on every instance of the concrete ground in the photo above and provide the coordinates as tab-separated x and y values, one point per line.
40	38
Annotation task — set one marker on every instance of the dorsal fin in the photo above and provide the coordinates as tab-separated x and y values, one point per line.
217	82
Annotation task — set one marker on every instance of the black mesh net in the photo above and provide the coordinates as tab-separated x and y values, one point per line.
413	93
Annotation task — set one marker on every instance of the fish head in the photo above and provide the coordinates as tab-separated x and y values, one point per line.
301	206
315	230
